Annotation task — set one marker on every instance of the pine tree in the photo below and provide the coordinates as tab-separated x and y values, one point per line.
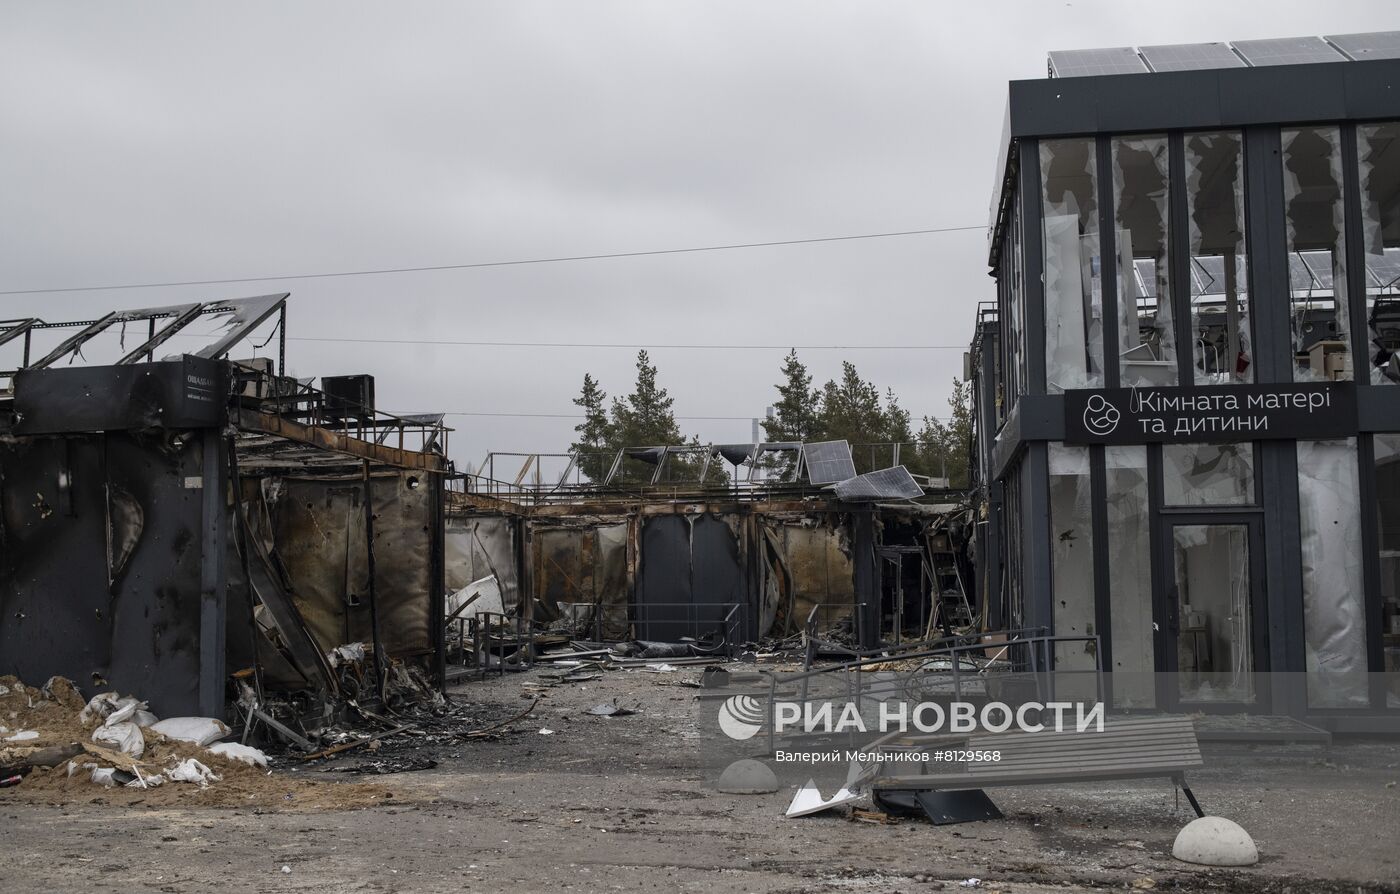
645	419
796	415
594	446
851	411
944	448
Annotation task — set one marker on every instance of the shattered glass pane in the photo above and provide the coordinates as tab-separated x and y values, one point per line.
1312	186
1387	450
1334	600
1334	621
1072	553
1146	340
1130	577
1378	150
1221	351
1073	278
1207	474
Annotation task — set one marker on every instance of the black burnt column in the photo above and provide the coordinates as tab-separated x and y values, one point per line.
213	581
864	572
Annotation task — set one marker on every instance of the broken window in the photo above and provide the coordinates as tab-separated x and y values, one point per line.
1334	600
1378	150
1073	279
1146	341
1221	350
1312	192
1387	449
1130	577
1208	474
1072	556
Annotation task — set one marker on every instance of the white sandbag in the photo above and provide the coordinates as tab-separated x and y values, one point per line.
125	737
103	776
98	707
199	730
238	752
144	718
23	735
191	770
144	780
123	710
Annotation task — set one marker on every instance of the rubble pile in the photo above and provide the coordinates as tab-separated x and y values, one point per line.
56	746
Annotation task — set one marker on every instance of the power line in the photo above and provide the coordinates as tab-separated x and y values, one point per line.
581	416
480	264
573	344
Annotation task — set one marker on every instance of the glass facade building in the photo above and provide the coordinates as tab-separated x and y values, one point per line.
1188	425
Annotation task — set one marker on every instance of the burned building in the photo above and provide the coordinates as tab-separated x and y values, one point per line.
187	526
1188	418
791	541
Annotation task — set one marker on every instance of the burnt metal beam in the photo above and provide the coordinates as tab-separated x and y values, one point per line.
156	339
340	442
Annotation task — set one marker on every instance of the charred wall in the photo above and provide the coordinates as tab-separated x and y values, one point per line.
102	561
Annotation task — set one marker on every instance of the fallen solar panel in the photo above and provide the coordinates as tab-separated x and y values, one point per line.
885	484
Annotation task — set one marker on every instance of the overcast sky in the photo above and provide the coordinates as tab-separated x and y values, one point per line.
146	142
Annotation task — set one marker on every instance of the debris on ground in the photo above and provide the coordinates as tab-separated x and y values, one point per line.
612	710
87	750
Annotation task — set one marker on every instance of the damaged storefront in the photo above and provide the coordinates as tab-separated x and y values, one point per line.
209	533
1186	395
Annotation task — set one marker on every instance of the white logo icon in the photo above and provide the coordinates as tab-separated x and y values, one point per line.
1100	416
741	716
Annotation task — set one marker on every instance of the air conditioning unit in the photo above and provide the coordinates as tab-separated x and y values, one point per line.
349	396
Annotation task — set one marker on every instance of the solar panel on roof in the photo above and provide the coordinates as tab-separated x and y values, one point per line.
1310	271
1207	275
1288	51
1377	45
886	484
1191	57
828	461
1384	272
1086	63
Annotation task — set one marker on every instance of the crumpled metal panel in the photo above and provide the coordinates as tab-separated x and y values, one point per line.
813	568
576	570
480	546
319	531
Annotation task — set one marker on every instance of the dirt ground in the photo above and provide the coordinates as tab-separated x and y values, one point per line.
627	804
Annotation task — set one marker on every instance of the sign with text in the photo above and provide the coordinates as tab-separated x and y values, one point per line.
1210	413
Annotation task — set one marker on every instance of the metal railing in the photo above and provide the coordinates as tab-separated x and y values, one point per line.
954	668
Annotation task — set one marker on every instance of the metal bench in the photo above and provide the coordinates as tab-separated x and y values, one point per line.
1126	748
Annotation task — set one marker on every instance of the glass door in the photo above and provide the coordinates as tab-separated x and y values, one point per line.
1212	616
